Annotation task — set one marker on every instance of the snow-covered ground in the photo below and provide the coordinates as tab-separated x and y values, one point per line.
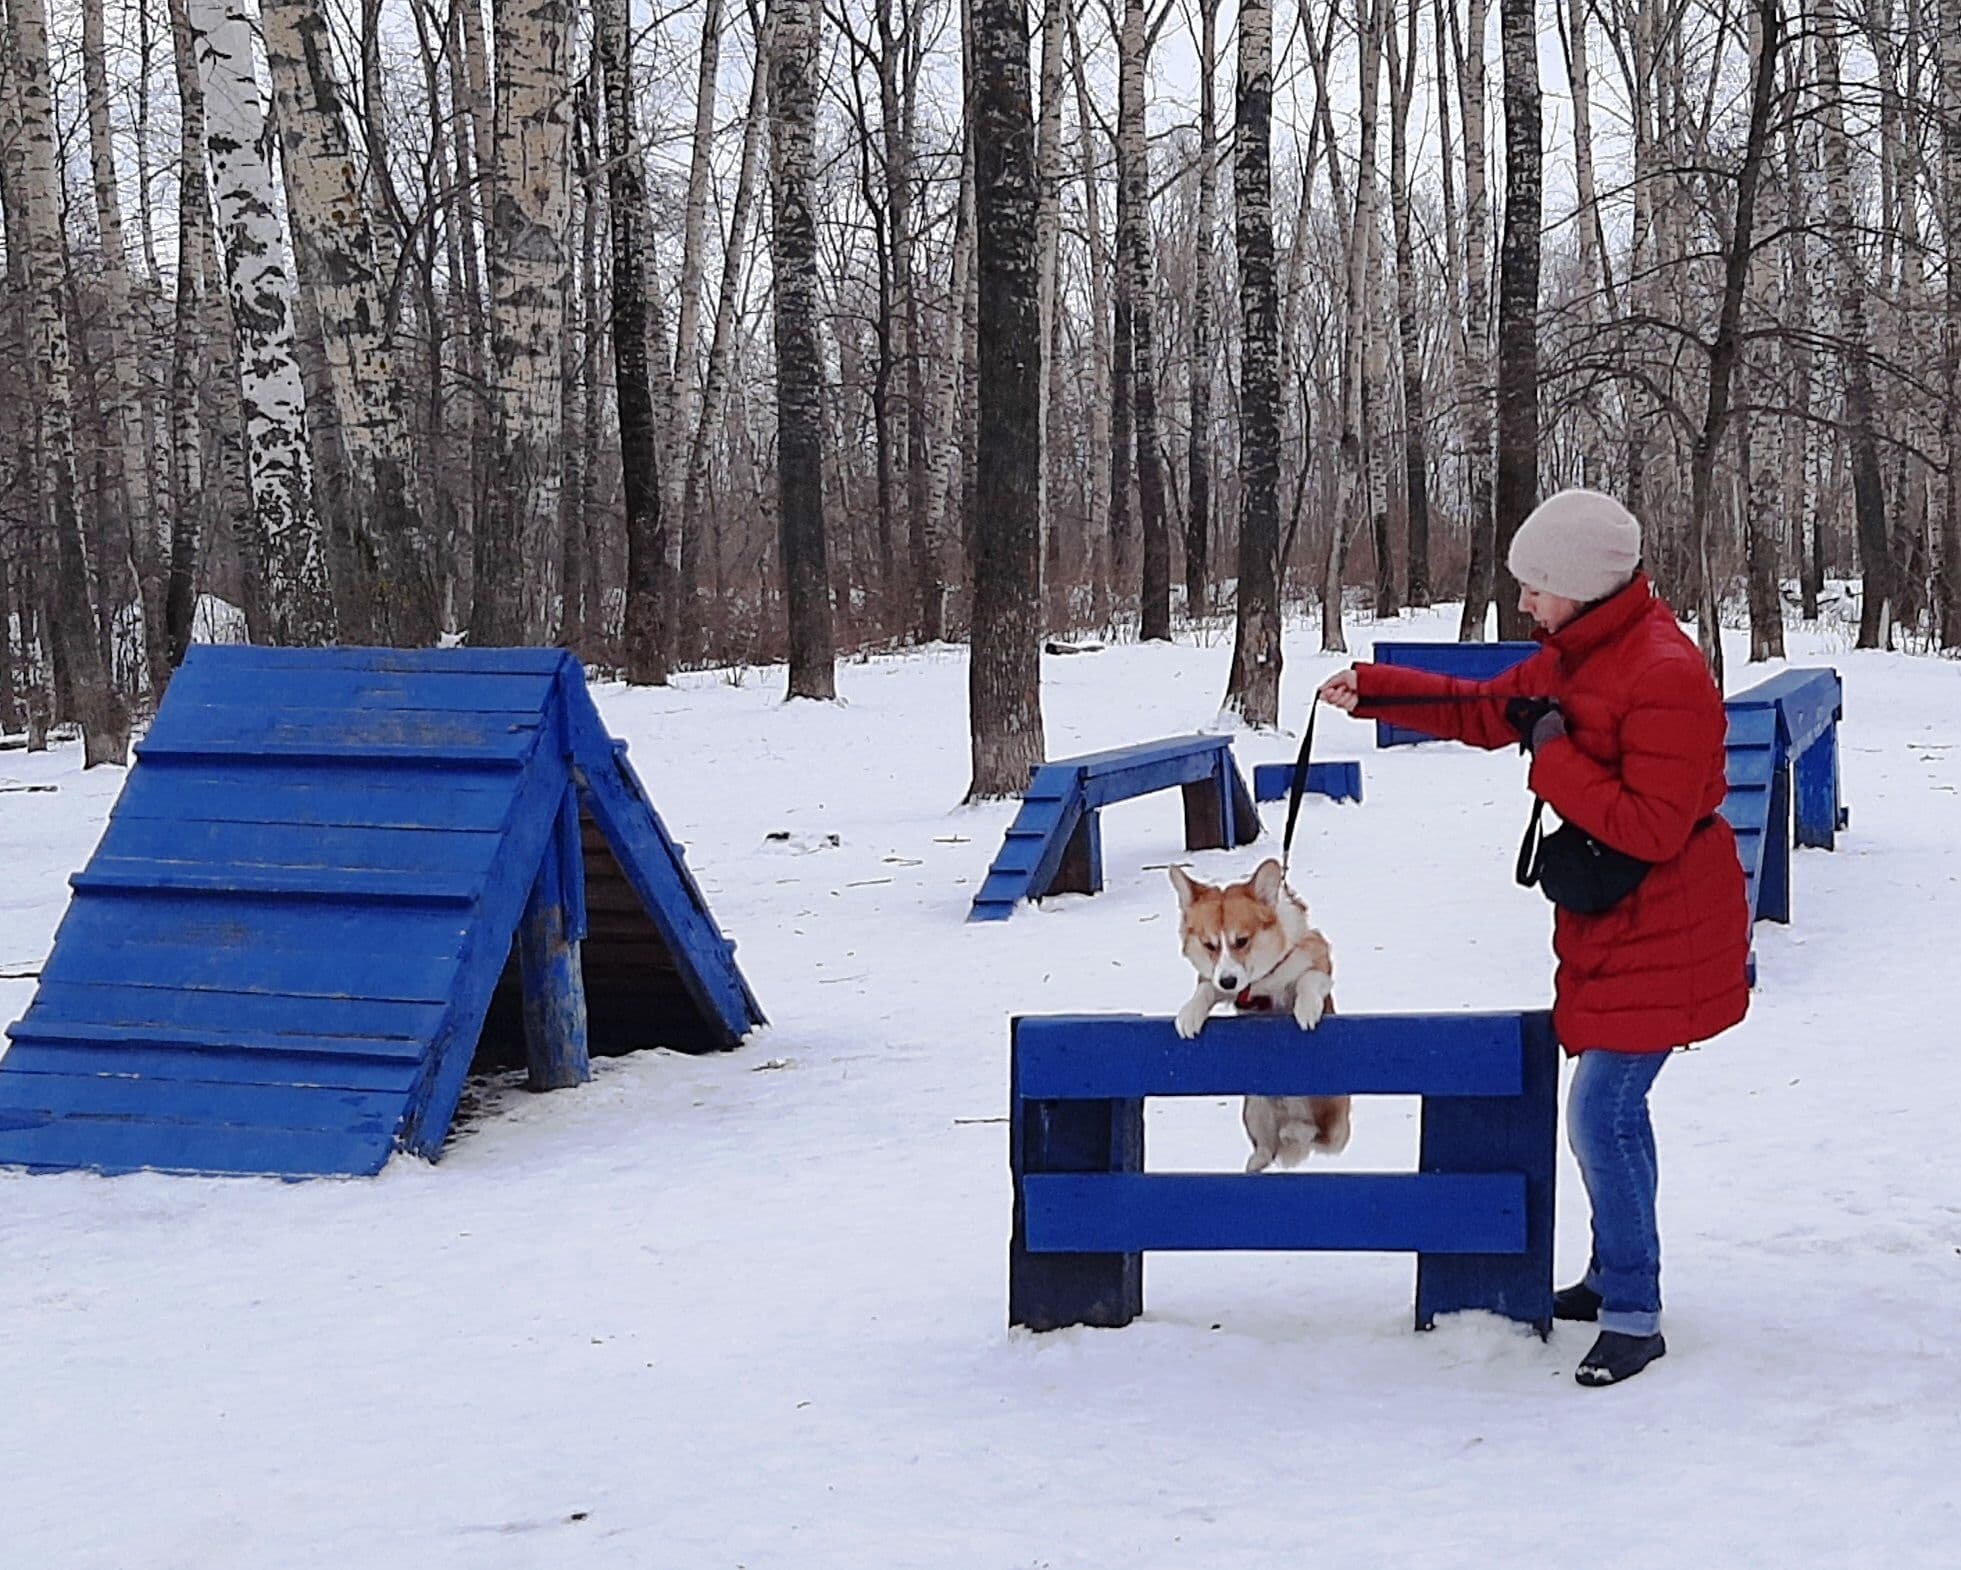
750	1310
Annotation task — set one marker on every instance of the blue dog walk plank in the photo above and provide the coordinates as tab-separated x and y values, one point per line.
464	661
1141	1212
1094	763
1467	661
1122	1057
249	684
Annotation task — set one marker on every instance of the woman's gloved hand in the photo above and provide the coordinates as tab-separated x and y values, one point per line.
1537	721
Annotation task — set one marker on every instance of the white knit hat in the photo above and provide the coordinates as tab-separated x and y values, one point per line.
1577	544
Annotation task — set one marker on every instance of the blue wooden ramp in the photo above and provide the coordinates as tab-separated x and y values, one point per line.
306	917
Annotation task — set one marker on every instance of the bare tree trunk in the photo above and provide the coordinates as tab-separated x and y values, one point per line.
1594	301
1416	462
138	570
517	564
1102	495
1518	303
1476	392
647	636
794	85
1004	669
1048	252
715	384
1799	500
1134	243
287	531
580	363
1253	688
378	554
1950	141
1354	497
1757	434
687	330
1198	456
1869	494
104	721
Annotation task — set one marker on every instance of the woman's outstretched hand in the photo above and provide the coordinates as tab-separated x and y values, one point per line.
1341	691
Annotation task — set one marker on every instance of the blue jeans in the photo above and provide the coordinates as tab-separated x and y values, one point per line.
1608	1128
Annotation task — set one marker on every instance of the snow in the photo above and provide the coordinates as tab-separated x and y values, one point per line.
749	1310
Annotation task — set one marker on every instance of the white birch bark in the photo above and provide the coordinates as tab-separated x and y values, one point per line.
254	250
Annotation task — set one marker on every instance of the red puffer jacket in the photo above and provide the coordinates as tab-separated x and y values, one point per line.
1640	769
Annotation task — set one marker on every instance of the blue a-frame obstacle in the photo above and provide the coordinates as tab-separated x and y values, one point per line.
334	876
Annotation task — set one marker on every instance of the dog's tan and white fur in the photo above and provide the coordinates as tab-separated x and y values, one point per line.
1252	946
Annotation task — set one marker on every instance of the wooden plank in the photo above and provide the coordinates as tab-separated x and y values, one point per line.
1092	763
150	1060
404	733
111	1146
1141	778
315	684
1133	1212
444	854
253	790
228	1016
409	974
1060	1057
358	934
124	874
1466	661
548	960
203	657
273	1106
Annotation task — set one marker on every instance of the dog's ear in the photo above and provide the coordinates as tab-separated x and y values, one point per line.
1268	881
1186	885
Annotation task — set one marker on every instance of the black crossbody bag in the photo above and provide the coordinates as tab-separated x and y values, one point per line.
1573	869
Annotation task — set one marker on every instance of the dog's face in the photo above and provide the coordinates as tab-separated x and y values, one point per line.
1232	935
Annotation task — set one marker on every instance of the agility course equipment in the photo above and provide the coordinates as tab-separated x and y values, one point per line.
1781	754
1477	1213
1466	661
1340	780
1055	844
333	877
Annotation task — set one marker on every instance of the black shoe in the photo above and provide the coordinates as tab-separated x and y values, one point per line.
1578	1301
1616	1357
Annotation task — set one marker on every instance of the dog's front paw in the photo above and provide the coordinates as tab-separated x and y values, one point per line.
1191	1018
1309	1006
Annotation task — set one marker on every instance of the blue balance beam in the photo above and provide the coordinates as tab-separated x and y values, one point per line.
1467	661
1477	1213
1338	781
1781	761
1055	844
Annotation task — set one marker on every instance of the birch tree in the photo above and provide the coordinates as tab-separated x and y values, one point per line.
1416	462
1475	389
1253	688
378	555
104	721
253	247
1198	451
1950	158
799	360
517	565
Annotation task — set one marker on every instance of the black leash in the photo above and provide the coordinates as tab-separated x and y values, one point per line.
1298	786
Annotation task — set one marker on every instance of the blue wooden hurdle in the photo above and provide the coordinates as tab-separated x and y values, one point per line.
1055	844
1468	661
1477	1213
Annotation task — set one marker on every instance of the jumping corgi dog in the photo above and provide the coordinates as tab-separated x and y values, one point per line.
1252	946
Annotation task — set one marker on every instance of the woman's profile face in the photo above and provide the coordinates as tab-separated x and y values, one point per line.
1550	611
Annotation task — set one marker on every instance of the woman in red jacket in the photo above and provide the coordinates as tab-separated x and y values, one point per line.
1629	751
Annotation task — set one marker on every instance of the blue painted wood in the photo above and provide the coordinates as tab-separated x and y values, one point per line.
1512	1136
1049	835
1047	1291
1467	661
1068	1056
1340	780
548	960
1478	1214
1135	1212
288	1065
280	957
1782	768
